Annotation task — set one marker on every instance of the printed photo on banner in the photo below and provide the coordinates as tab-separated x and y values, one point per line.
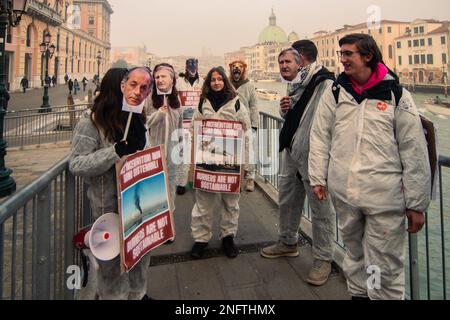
189	102
218	155
144	206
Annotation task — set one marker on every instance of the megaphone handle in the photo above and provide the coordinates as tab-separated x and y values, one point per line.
127	128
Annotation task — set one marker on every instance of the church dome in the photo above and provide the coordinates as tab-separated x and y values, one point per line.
293	37
272	33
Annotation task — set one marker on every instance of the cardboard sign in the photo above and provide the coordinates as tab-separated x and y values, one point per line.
218	155
144	204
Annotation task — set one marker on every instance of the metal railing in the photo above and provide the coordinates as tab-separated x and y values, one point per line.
427	269
36	229
31	127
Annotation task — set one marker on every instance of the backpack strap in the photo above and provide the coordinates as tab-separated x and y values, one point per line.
237	105
398	92
200	106
336	88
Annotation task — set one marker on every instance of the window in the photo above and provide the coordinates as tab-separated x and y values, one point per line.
380	30
416	59
410	60
91	20
409	43
9	34
430	41
416	43
422	59
389	29
391	52
399	45
421	29
443	40
429	59
444	58
399	60
29	36
416	30
422	42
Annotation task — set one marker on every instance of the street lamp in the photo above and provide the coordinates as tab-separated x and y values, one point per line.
10	14
47	51
99	60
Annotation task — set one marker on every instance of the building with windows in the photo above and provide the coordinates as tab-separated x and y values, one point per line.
78	43
422	52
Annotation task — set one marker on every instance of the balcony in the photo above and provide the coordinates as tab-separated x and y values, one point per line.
44	12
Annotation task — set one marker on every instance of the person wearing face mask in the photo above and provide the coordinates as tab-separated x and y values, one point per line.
98	143
189	81
165	121
307	80
219	100
247	94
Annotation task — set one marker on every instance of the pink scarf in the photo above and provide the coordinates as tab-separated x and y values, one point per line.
377	76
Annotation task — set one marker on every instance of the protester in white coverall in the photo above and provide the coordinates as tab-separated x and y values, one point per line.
218	101
188	82
97	145
368	149
247	94
306	78
165	121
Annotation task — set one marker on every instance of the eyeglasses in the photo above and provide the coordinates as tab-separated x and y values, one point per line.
346	53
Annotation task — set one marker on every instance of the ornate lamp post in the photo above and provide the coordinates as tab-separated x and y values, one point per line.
99	60
10	14
47	52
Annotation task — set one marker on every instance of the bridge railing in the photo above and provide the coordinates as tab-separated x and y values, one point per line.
427	269
32	127
37	225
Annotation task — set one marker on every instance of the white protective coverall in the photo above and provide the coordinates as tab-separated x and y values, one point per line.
167	129
93	157
184	85
373	158
206	203
247	95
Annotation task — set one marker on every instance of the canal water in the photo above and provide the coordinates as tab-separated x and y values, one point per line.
433	239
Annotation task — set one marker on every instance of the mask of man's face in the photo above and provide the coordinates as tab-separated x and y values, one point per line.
164	80
136	89
191	67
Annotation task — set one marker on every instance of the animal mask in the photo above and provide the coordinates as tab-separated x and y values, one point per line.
237	70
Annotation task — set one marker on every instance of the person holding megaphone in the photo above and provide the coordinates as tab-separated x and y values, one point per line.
114	128
165	122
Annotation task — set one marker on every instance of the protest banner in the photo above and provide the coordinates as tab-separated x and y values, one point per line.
218	155
144	204
189	102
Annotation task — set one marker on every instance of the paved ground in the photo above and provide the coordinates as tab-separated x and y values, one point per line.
33	97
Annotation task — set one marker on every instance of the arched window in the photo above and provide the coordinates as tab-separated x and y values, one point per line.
29	36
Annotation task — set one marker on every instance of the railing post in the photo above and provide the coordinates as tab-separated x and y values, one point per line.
414	267
43	244
71	108
69	229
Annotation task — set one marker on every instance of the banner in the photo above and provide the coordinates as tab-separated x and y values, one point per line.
189	102
144	205
218	155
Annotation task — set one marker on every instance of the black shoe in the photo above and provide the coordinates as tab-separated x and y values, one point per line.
146	297
181	190
228	246
169	241
198	249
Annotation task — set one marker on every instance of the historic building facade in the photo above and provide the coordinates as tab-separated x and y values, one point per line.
80	31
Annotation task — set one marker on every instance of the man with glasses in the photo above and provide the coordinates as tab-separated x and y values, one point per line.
369	152
307	80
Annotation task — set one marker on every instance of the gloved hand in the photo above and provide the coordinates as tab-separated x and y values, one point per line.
124	148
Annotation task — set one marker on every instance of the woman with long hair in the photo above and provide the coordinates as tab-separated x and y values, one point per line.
218	101
98	143
165	121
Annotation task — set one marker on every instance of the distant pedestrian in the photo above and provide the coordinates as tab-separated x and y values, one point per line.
70	86
66	78
24	84
76	86
54	79
84	81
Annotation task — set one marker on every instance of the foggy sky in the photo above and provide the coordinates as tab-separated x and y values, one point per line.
183	27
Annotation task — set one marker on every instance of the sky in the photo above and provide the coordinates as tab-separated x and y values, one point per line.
181	27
